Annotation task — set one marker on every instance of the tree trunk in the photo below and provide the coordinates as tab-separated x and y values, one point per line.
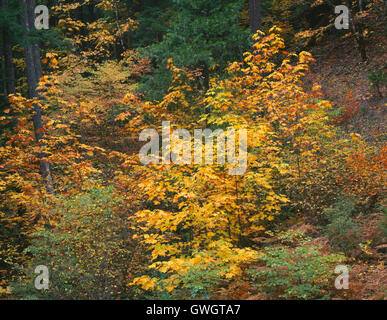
91	11
206	74
361	41
118	25
357	32
255	15
34	72
8	57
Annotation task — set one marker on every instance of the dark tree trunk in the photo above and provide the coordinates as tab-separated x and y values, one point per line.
255	15
79	13
118	25
34	72
357	29
361	41
205	76
8	57
91	11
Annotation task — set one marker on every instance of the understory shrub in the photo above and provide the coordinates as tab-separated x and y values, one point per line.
89	253
342	230
302	272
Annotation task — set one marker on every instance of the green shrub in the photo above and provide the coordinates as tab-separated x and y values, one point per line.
383	222
342	230
303	272
88	253
378	79
200	282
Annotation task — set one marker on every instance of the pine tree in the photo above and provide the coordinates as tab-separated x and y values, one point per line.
204	35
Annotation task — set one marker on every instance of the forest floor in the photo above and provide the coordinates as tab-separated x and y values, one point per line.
344	80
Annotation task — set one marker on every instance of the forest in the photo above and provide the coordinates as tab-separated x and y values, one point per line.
193	149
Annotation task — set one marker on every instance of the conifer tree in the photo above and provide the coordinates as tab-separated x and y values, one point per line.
204	36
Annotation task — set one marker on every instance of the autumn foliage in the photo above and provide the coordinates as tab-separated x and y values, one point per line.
115	228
